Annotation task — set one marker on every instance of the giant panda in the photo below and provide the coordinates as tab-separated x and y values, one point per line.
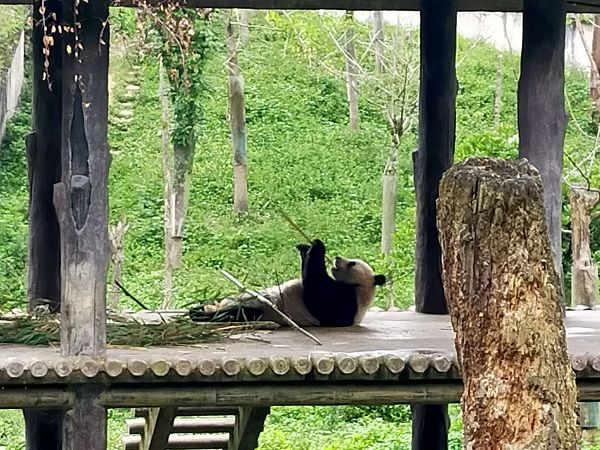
317	299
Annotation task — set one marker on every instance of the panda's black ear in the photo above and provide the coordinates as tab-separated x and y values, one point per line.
380	280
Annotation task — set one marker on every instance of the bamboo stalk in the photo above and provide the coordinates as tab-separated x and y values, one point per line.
272	305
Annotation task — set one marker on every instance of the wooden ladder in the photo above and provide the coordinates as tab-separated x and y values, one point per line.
199	428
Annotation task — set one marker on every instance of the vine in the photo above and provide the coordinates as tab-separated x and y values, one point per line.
183	39
53	25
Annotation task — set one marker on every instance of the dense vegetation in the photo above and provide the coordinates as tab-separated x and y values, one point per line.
304	159
12	19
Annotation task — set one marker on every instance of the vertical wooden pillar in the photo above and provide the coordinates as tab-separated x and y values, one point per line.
81	201
43	157
541	110
437	123
43	428
81	198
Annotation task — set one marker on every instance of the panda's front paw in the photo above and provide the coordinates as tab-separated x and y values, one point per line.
303	248
317	246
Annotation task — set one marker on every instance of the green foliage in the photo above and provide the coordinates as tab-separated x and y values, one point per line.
346	428
14	198
302	158
183	38
12	21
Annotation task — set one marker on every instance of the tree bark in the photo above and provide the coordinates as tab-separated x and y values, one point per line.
584	271
168	200
504	296
389	200
81	201
245	15
498	92
117	258
183	159
378	39
388	206
542	118
43	428
351	73
594	81
237	118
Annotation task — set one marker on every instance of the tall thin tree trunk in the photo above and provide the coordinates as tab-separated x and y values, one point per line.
388	204
168	200
237	118
504	297
378	39
183	159
388	207
498	93
245	15
594	81
351	72
116	235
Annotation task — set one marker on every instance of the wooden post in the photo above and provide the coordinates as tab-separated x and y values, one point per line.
541	110
437	118
249	424
158	428
85	423
504	298
43	428
237	119
81	201
43	157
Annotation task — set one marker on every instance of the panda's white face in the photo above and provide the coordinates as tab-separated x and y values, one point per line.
353	271
360	274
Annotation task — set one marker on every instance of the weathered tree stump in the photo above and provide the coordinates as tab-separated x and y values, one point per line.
504	297
584	272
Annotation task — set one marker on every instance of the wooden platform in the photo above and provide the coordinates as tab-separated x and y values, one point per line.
392	358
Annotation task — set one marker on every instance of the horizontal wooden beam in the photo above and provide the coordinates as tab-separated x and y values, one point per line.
284	394
588	6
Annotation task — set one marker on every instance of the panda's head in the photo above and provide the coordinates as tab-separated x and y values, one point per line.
357	272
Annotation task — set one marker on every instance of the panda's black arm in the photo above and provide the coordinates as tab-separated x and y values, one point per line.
314	262
303	249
